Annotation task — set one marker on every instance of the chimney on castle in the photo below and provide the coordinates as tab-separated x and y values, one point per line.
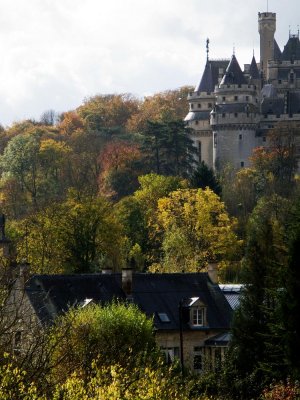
266	29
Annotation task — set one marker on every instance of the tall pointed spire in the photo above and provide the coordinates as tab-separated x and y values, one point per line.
207	49
233	74
253	70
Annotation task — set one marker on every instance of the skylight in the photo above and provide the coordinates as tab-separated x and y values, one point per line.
163	317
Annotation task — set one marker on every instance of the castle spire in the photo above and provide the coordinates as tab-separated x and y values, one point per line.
207	49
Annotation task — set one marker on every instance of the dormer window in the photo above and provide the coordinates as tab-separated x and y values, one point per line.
198	316
197	312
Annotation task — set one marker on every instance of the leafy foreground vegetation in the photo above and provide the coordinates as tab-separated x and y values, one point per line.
117	182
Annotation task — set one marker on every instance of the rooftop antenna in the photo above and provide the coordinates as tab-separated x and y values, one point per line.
233	49
289	30
207	49
298	31
267	5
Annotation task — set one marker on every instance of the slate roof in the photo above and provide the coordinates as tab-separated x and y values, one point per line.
291	50
235	108
211	75
253	71
293	103
272	106
52	295
233	74
277	52
222	339
198	115
269	91
232	293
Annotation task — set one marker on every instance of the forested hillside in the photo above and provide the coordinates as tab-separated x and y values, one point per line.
116	183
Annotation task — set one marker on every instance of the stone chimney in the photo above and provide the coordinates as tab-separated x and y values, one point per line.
212	270
24	273
127	274
4	242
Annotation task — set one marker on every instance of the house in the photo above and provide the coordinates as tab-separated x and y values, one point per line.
232	110
190	312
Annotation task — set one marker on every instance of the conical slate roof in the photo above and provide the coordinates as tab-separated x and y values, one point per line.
211	75
253	71
233	74
291	49
206	84
277	51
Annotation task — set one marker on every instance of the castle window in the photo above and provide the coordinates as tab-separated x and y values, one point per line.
242	164
199	151
215	140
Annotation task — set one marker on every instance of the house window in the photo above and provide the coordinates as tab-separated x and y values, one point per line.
196	122
198	316
264	139
235	114
240	136
235	98
209	105
242	164
198	359
215	139
199	105
247	98
192	106
291	77
223	115
223	98
171	353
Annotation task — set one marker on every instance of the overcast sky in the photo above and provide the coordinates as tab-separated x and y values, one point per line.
57	52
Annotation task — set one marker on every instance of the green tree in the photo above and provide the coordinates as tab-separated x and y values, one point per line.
168	148
115	334
203	177
255	355
196	229
80	235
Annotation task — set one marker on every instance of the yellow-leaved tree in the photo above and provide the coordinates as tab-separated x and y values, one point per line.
196	229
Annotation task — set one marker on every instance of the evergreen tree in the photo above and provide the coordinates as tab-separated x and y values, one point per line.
290	300
203	177
255	355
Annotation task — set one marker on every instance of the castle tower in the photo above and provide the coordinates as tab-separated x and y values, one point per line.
266	29
201	102
234	119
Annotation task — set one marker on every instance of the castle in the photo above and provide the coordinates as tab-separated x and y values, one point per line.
231	111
